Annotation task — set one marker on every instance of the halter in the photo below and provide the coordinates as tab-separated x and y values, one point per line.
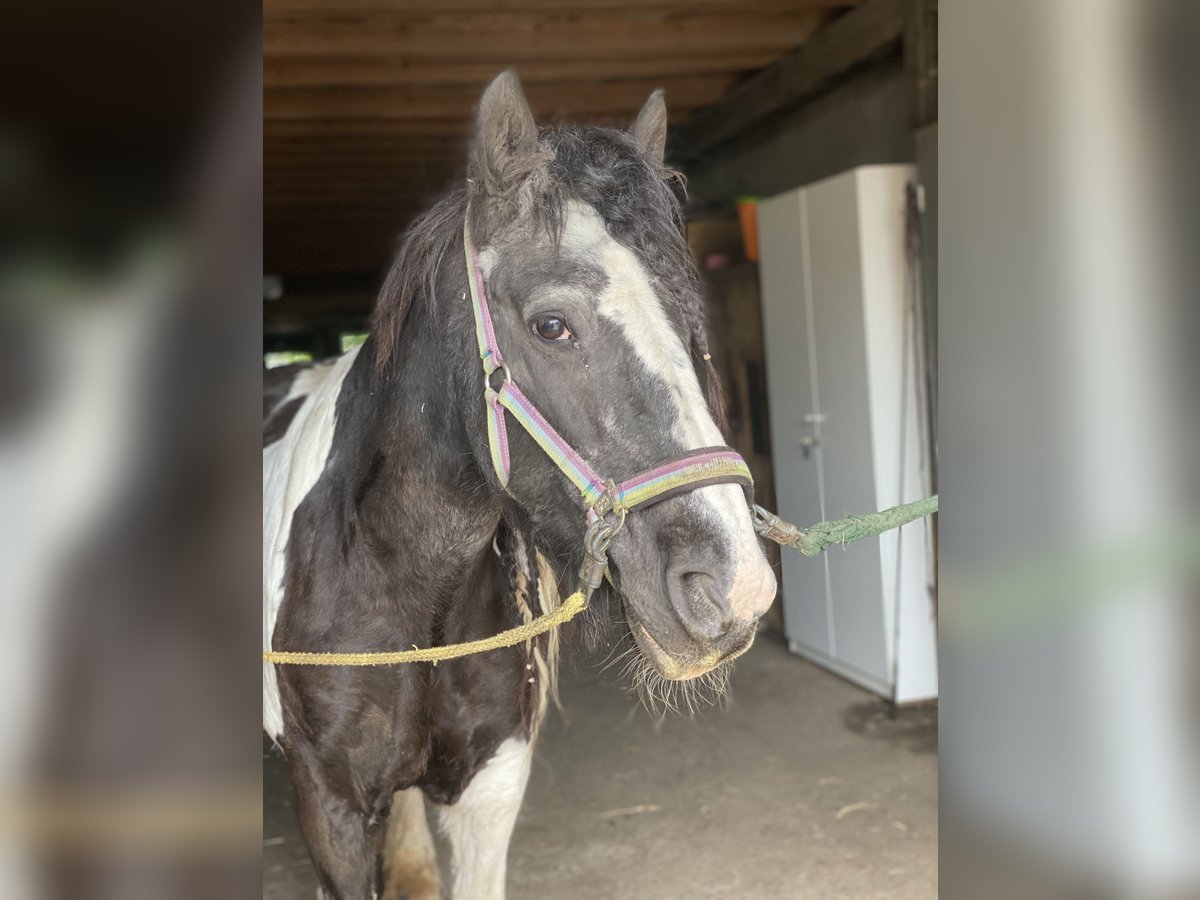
599	496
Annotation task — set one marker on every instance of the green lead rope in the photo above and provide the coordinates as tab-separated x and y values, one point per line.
813	540
809	541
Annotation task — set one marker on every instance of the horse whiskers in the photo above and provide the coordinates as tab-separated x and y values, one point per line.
595	625
622	658
614	655
659	695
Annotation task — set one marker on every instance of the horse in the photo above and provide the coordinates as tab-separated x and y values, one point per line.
400	511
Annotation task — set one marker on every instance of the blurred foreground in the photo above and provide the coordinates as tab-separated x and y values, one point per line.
130	215
1069	533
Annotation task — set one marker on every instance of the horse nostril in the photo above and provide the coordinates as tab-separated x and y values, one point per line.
701	609
697	585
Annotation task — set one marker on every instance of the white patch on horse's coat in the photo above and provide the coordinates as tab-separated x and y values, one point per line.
487	259
629	300
305	382
480	824
308	380
291	466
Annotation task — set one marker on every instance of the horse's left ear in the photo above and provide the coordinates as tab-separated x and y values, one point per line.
650	129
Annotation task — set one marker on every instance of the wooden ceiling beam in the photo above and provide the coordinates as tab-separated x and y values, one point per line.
432	178
351	221
334	144
510	39
317	262
847	42
366	159
369	104
276	9
336	71
368	156
343	191
328	201
456	125
377	164
547	100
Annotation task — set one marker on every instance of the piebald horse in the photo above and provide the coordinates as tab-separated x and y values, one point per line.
390	521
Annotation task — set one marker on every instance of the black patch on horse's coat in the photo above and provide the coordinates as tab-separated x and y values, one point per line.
374	467
277	384
278	414
277	424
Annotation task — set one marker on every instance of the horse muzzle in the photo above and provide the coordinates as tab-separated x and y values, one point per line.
705	615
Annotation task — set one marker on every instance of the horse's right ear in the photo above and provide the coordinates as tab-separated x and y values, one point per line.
505	148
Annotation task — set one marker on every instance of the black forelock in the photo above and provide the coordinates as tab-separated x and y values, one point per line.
605	169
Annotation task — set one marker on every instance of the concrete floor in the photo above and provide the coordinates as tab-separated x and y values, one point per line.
804	787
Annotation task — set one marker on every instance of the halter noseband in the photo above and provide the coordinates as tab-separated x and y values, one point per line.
600	496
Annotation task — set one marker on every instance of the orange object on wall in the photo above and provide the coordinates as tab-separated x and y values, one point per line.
747	208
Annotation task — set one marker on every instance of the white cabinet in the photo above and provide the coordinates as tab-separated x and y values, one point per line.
848	425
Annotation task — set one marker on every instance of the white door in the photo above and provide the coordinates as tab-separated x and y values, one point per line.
795	413
834	257
845	424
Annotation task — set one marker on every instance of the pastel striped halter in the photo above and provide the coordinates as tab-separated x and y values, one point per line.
600	496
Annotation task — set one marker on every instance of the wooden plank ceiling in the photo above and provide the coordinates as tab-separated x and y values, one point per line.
368	103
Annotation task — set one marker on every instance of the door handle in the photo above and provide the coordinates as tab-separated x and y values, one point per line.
807	442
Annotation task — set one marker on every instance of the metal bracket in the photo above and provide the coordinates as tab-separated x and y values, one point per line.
595	551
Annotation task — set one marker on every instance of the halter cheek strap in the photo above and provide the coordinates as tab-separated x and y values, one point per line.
600	496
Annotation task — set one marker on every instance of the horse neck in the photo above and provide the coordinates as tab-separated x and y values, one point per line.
423	508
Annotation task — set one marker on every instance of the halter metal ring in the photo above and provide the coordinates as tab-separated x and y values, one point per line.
610	502
487	377
616	503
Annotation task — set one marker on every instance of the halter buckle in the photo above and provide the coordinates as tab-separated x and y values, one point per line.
600	534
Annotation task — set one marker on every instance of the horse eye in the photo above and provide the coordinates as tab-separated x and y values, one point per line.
552	328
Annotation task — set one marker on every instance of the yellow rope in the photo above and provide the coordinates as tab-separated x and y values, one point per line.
570	608
809	541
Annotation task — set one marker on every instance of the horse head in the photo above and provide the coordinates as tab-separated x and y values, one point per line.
578	240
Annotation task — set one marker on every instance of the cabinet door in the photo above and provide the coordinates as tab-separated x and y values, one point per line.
795	448
860	641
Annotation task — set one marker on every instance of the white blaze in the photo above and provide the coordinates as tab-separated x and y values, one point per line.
629	300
